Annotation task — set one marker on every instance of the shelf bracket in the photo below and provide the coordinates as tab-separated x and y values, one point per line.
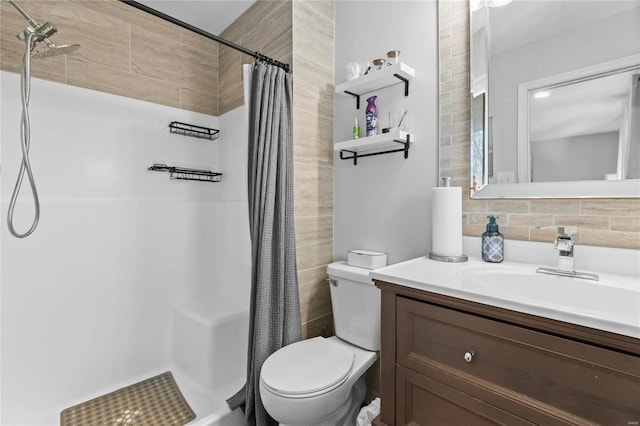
354	155
406	83
356	96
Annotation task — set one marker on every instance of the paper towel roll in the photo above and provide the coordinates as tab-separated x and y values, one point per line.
446	221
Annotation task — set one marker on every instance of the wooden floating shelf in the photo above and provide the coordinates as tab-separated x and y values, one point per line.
394	141
387	76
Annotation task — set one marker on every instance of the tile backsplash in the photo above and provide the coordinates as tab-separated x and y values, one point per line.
600	222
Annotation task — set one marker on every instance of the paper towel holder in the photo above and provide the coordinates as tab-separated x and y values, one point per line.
446	182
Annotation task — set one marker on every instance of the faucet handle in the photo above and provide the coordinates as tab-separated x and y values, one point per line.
562	229
564	241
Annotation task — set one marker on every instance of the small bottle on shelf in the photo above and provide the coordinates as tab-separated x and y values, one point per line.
372	116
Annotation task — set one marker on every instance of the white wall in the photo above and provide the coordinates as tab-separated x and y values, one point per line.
87	299
383	203
584	157
612	38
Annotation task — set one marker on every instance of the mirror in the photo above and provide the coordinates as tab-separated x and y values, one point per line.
555	99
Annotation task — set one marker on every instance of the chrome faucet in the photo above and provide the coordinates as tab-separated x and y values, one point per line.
564	244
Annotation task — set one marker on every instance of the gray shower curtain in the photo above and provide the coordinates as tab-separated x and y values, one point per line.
275	307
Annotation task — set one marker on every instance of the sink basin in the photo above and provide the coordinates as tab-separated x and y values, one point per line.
604	300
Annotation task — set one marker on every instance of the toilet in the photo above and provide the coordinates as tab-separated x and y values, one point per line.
321	381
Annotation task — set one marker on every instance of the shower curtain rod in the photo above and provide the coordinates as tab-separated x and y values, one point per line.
206	34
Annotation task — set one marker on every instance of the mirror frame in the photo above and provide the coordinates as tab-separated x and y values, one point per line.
628	188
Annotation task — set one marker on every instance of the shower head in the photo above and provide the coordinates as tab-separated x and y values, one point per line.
38	33
53	50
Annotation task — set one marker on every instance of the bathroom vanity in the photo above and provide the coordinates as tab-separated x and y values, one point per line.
457	350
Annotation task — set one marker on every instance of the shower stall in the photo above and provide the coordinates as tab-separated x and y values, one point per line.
129	274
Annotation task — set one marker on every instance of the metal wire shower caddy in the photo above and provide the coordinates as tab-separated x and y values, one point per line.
181	173
193	130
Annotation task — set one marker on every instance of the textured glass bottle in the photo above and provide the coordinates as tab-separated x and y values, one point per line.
372	116
492	242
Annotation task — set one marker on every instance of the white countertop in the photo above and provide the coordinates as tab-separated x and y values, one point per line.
611	304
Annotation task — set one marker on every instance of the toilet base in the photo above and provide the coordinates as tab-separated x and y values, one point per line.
345	415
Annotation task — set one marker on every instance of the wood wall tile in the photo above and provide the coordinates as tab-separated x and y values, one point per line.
313	35
99	77
199	100
322	326
621	239
155	56
625	223
613	207
313	190
132	16
314	241
315	297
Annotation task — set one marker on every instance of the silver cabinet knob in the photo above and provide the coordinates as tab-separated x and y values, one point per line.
469	356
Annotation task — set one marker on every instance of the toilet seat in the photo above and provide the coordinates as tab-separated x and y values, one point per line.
307	368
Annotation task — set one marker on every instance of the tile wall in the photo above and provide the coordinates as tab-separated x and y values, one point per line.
313	70
124	51
264	27
600	222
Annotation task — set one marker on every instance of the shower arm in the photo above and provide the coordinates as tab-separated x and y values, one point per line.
24	13
42	32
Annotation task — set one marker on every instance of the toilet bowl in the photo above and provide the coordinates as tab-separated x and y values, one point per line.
320	381
315	382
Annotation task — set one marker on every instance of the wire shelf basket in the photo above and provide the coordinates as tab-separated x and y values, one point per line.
193	130
181	173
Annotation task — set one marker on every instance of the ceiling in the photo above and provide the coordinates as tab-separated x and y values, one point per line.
588	107
213	16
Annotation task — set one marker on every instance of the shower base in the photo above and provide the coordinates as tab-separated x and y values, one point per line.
156	401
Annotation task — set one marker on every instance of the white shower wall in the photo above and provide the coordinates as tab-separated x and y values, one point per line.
86	301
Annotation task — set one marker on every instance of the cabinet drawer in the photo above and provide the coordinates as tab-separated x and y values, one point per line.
554	374
426	402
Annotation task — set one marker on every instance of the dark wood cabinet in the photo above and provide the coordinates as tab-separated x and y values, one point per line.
447	361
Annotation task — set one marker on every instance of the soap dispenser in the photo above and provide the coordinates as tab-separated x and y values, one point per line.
492	242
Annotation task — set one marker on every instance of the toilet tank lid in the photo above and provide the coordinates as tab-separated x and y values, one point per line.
344	271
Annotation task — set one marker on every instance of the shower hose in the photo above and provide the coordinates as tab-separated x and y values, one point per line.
25	142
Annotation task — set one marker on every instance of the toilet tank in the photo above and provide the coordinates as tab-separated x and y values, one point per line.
356	305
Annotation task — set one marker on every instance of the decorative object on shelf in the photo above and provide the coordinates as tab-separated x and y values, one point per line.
354	70
372	116
378	64
394	56
386	129
193	130
394	141
181	173
387	76
356	129
404	114
365	68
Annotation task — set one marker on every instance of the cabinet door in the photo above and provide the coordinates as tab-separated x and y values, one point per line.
423	401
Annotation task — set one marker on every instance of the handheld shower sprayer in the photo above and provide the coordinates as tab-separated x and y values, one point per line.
41	33
31	35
